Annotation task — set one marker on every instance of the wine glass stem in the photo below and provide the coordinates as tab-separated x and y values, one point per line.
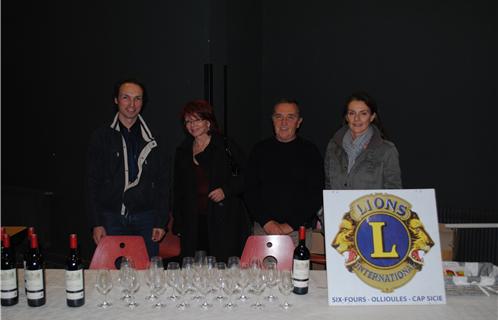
243	296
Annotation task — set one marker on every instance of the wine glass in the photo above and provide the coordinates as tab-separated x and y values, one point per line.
194	276
173	272
199	257
158	287
233	265
210	262
257	284
233	262
254	268
229	285
203	284
255	263
149	278
271	280
187	262
125	266
126	261
243	281
103	285
218	277
188	269
285	286
181	286
156	264
132	283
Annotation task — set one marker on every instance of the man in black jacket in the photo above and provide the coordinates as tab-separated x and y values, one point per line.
127	174
284	176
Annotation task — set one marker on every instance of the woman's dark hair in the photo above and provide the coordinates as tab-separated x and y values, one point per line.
203	110
118	85
371	104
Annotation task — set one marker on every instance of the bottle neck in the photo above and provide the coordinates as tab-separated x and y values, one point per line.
34	242
31	231
302	234
5	241
73	242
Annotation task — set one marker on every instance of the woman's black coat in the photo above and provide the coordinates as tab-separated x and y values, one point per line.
228	224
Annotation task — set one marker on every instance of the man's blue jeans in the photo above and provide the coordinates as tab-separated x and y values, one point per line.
137	224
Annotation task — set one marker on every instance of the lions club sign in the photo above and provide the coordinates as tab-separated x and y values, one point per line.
383	242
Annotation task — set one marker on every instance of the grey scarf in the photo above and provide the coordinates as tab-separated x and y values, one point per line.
355	147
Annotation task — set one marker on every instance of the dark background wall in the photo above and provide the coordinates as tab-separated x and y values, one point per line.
60	61
432	66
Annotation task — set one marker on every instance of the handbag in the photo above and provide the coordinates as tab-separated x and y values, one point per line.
247	224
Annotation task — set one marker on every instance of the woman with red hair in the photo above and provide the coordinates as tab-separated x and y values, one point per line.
208	183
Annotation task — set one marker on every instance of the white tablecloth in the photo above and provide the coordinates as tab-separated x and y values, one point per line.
311	306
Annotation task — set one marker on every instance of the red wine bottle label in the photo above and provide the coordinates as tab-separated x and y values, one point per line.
301	273
9	284
74	285
34	283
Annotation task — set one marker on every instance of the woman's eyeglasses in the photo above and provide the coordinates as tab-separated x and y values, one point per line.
195	121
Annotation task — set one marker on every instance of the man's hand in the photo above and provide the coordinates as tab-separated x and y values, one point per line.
217	195
272	227
286	228
157	234
98	234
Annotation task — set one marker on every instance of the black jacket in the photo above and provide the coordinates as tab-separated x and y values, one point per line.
228	224
284	182
106	176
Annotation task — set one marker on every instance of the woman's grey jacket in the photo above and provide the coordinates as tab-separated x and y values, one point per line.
377	167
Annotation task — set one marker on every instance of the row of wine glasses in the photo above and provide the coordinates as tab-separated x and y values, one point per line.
200	276
128	280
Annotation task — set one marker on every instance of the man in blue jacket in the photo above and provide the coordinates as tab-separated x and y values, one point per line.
127	176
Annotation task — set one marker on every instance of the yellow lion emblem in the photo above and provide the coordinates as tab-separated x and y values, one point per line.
344	242
421	241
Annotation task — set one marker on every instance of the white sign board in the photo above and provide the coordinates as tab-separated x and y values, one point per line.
383	247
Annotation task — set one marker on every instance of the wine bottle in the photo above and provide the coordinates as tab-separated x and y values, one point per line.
301	264
34	275
75	284
10	288
30	232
